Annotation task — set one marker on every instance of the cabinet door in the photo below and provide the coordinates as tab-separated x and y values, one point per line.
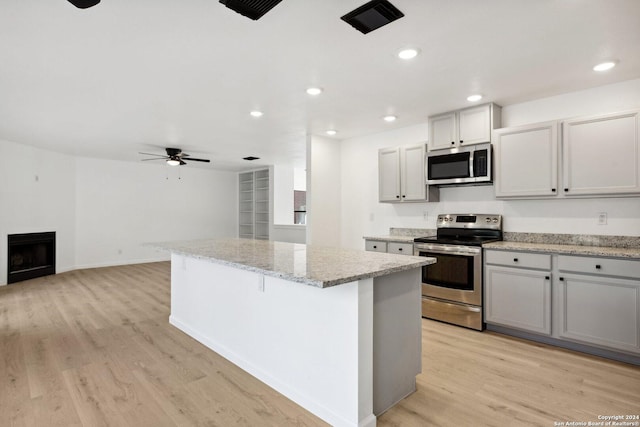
413	182
600	311
526	161
474	125
389	174
518	298
601	155
443	131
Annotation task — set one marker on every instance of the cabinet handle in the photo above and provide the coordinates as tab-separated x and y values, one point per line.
561	279
375	247
546	277
400	249
403	196
553	190
515	260
566	190
398	196
453	143
461	141
598	267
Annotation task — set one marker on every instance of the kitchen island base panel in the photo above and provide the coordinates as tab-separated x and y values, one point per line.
315	346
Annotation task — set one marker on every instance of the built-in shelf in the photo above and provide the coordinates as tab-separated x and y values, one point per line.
254	209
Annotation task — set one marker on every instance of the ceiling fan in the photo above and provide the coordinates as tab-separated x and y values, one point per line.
174	157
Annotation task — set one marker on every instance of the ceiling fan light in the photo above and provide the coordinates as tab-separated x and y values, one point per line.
84	4
173	162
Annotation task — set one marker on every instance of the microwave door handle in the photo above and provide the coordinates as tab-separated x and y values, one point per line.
471	175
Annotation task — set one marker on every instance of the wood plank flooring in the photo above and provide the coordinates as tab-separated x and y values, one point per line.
94	348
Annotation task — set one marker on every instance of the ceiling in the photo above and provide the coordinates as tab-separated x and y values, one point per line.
128	76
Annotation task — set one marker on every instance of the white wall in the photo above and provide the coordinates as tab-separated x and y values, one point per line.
323	192
122	205
103	210
283	181
362	214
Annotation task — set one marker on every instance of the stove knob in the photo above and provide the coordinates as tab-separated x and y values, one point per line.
495	219
488	219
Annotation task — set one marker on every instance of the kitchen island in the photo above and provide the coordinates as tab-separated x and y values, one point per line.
337	331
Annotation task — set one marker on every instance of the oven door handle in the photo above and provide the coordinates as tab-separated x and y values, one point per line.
438	252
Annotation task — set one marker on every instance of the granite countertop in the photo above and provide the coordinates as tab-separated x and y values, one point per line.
311	265
566	249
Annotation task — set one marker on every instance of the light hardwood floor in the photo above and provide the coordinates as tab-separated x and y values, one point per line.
94	347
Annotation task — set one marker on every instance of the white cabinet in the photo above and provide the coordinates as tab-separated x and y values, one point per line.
254	220
518	290
601	155
399	248
599	301
526	161
464	127
401	175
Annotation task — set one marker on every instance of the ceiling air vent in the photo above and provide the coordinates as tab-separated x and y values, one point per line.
372	16
253	9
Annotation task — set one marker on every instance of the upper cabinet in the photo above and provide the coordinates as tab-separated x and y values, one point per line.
401	175
526	161
601	155
464	127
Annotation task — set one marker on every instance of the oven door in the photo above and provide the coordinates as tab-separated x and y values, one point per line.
456	276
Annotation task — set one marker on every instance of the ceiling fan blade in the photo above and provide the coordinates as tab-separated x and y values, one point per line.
159	158
152	154
181	162
196	160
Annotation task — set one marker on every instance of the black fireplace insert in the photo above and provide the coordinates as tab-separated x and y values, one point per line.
31	255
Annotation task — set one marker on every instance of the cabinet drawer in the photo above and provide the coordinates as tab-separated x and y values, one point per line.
602	266
375	246
518	259
400	248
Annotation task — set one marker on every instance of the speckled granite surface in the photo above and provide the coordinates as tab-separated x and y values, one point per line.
630	242
566	249
403	235
311	265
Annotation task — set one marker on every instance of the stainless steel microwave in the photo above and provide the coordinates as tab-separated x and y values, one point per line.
463	165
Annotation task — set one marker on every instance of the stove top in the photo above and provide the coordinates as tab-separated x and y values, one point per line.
465	229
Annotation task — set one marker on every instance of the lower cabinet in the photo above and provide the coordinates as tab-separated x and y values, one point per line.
518	290
595	308
388	247
518	298
590	301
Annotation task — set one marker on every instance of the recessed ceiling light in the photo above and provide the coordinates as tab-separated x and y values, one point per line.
390	118
474	98
604	66
256	113
314	91
331	132
409	53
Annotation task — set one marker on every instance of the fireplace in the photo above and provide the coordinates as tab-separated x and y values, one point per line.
31	255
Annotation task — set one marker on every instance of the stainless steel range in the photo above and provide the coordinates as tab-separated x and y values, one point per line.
452	287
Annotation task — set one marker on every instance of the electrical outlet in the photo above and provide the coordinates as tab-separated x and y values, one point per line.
602	218
425	215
